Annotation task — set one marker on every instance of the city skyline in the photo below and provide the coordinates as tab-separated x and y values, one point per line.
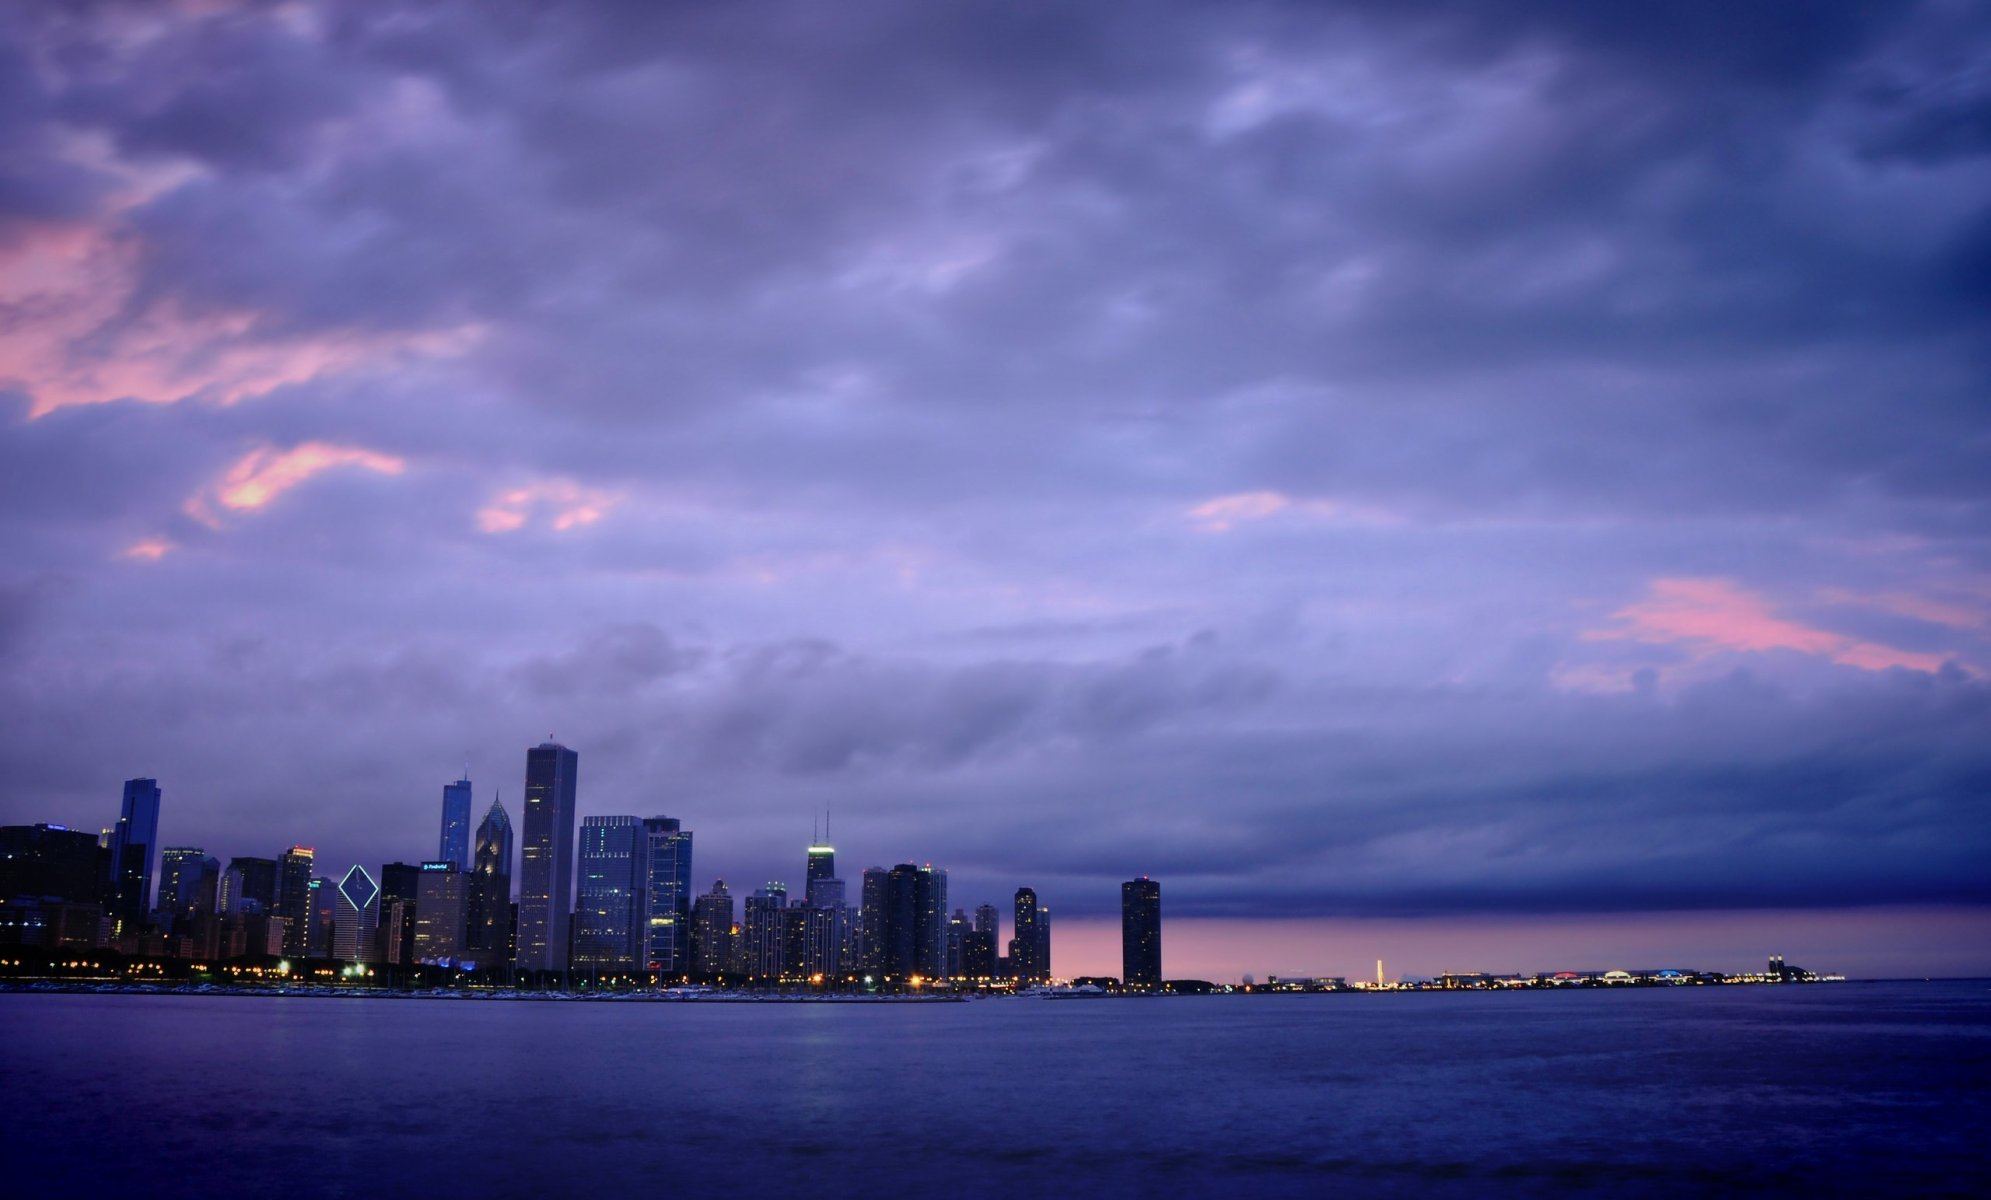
1388	471
649	859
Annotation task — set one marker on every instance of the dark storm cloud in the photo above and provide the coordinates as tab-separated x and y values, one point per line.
1340	459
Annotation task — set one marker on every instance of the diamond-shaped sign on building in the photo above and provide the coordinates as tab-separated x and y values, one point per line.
358	888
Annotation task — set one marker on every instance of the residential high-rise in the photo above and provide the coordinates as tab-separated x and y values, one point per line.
988	919
665	914
188	879
133	843
1140	933
978	955
440	904
872	903
712	932
357	916
898	933
761	933
293	898
249	886
546	857
609	912
930	922
454	844
808	942
958	929
1024	945
488	892
1044	941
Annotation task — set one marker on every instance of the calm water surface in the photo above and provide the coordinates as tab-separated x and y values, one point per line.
1854	1089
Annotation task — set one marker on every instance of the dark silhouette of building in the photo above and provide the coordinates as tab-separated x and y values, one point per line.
1025	943
1140	932
51	886
546	857
48	862
294	900
400	896
188	880
487	920
249	885
978	955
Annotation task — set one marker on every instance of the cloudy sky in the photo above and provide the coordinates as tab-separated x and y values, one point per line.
1417	481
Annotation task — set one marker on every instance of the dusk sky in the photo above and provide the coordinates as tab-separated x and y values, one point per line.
1486	486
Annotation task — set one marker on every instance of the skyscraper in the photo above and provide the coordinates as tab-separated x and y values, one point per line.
988	919
1044	942
761	932
821	866
546	857
454	845
1024	945
872	903
712	932
188	878
132	846
608	914
400	888
249	885
1140	933
930	922
666	910
824	893
488	892
958	929
321	911
293	898
358	913
439	913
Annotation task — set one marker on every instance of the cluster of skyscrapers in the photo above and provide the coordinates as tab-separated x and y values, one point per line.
605	898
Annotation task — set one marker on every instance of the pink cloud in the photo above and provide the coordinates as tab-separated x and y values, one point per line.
72	338
260	476
1714	615
1220	514
559	503
149	549
1921	608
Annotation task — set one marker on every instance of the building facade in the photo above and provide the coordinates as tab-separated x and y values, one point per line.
609	911
666	902
441	910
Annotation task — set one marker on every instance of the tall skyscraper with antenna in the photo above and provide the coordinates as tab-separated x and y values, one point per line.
454	844
546	857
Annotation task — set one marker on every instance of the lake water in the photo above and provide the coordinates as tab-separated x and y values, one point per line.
1833	1089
